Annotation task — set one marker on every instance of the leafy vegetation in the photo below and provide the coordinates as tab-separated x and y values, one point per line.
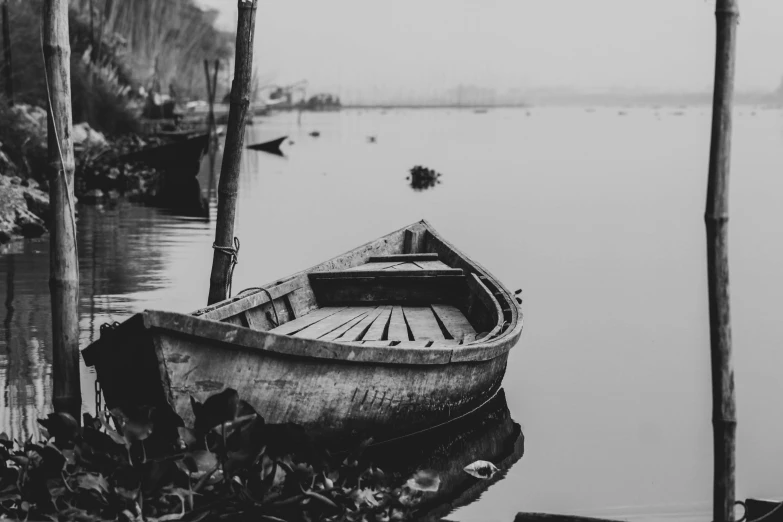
130	465
116	50
422	178
164	41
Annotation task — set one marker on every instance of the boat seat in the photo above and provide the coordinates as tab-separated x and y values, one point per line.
384	325
413	279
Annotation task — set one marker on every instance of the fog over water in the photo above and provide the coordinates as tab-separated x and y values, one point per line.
367	49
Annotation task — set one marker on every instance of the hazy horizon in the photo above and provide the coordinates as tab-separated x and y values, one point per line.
365	50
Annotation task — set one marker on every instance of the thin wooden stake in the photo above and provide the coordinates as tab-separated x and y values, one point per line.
64	261
211	123
9	81
716	219
92	30
223	259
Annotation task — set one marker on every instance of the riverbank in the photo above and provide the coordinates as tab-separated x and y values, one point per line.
23	209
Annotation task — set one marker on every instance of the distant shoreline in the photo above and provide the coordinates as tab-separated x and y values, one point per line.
674	100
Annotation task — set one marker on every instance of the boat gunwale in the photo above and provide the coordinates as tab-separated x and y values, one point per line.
243	337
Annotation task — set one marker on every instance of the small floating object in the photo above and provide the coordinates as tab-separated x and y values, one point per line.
315	134
622	113
480	111
372	139
272	147
407	309
481	469
423	178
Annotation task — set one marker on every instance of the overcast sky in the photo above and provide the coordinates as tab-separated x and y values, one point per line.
430	45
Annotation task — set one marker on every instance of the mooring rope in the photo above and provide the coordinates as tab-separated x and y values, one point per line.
234	253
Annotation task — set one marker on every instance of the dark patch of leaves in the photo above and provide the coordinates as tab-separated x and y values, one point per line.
422	178
230	465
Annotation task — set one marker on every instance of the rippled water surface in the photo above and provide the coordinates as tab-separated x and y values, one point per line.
596	215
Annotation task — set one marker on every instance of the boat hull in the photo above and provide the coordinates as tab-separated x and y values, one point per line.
337	390
330	398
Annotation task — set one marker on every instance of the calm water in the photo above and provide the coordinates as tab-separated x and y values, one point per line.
596	215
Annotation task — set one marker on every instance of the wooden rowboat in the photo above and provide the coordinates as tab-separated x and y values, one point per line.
398	335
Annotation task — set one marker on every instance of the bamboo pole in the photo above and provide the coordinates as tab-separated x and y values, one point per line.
716	217
213	137
64	262
92	30
224	256
9	81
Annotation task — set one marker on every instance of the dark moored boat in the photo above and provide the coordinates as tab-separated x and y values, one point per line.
398	335
272	147
182	148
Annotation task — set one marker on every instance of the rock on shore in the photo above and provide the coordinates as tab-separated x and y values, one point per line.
23	209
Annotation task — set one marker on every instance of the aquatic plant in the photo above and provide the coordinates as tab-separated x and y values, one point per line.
422	178
137	465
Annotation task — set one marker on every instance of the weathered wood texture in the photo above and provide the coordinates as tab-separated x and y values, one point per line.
64	260
398	329
202	355
378	328
404	257
413	241
546	517
248	299
9	67
235	137
358	330
330	324
292	327
454	321
422	323
716	218
390	288
326	395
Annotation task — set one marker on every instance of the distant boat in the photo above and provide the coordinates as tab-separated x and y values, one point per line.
480	111
272	147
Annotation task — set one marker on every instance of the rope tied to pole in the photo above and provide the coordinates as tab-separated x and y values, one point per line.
233	252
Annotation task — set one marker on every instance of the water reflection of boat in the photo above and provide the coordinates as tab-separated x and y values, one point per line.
488	434
396	336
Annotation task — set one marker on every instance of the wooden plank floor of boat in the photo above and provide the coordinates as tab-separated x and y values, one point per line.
387	325
416	326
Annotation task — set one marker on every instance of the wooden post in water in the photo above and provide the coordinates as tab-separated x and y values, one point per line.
9	81
224	256
64	262
212	125
716	217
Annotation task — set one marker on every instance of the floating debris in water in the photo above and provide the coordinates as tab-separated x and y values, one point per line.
481	469
423	178
315	134
372	139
